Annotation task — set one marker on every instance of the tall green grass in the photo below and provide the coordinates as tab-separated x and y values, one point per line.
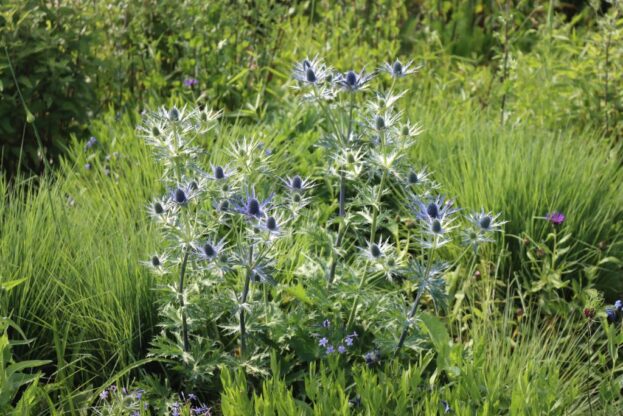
78	235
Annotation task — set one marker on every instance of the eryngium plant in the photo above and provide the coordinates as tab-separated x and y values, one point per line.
251	264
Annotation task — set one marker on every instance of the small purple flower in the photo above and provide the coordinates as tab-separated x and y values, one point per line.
348	341
619	305
91	142
104	395
611	313
323	342
326	323
139	394
341	349
330	349
190	82
556	218
88	166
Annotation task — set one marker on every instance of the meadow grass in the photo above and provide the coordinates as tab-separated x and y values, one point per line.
78	236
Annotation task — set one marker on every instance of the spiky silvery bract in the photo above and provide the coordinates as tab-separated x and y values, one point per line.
250	158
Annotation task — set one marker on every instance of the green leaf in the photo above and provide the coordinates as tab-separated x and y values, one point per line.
12	283
439	337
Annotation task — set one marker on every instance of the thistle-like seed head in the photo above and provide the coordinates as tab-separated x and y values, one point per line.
413	178
271	223
379	121
254	207
180	196
310	75
218	172
432	210
351	79
297	182
209	250
485	222
158	208
436	226
375	251
397	67
174	114
155	261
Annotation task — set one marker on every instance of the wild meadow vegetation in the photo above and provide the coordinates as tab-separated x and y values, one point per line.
311	208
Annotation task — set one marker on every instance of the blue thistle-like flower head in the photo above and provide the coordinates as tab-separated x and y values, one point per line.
210	250
297	184
252	207
352	82
400	70
310	72
437	208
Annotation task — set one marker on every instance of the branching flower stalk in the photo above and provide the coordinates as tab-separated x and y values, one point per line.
181	300
416	302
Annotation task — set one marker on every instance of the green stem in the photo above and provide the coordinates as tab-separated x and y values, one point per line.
245	293
377	201
416	302
181	300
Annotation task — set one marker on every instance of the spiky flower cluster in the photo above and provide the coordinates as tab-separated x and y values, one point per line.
219	225
368	145
248	262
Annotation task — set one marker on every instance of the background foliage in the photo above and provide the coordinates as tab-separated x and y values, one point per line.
522	113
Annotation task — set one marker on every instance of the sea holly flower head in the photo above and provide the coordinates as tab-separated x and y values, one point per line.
400	70
436	208
411	130
252	207
310	71
297	184
351	81
209	250
413	179
156	263
377	252
272	224
220	173
486	222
